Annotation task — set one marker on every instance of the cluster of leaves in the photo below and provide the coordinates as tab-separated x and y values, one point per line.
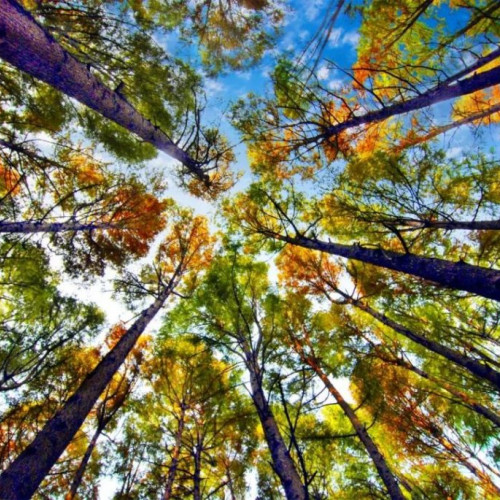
311	377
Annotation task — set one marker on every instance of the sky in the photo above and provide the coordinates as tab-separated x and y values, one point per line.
301	23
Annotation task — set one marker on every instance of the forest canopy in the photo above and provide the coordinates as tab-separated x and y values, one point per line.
249	249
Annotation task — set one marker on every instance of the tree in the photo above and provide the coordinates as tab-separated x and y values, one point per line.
197	427
110	403
302	344
235	318
352	306
184	252
92	215
30	48
36	319
264	214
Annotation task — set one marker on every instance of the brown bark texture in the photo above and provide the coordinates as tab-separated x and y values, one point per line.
28	47
21	479
457	275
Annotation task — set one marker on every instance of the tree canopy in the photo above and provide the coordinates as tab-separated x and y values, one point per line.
249	249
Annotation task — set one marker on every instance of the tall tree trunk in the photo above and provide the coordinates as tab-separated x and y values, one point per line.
468	401
172	470
449	225
77	479
477	81
40	226
230	485
282	461
378	459
21	479
435	131
28	47
197	473
457	275
472	365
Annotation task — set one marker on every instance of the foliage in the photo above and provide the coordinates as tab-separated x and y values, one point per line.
325	343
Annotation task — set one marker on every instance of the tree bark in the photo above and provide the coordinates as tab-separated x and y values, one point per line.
457	275
282	461
197	473
468	401
449	225
28	47
378	459
472	365
21	479
478	81
77	479
172	470
39	226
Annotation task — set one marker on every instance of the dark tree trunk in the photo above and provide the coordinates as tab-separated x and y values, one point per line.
77	480
282	461
472	365
28	47
21	479
468	85
466	225
458	275
468	401
197	473
28	227
379	461
172	470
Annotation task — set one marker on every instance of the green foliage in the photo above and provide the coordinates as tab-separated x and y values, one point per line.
358	165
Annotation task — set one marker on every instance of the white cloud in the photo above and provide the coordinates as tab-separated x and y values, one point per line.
323	73
338	38
213	87
335	84
334	38
312	9
454	152
244	75
351	38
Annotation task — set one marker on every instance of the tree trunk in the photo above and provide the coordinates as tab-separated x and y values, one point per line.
468	401
282	461
21	479
28	47
197	473
77	480
172	470
457	275
472	365
28	227
379	461
441	93
449	225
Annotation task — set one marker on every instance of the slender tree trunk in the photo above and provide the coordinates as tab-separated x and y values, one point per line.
21	479
77	479
230	485
468	401
445	128
467	225
462	459
197	473
457	275
379	461
27	227
441	93
172	470
472	365
28	47
282	461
